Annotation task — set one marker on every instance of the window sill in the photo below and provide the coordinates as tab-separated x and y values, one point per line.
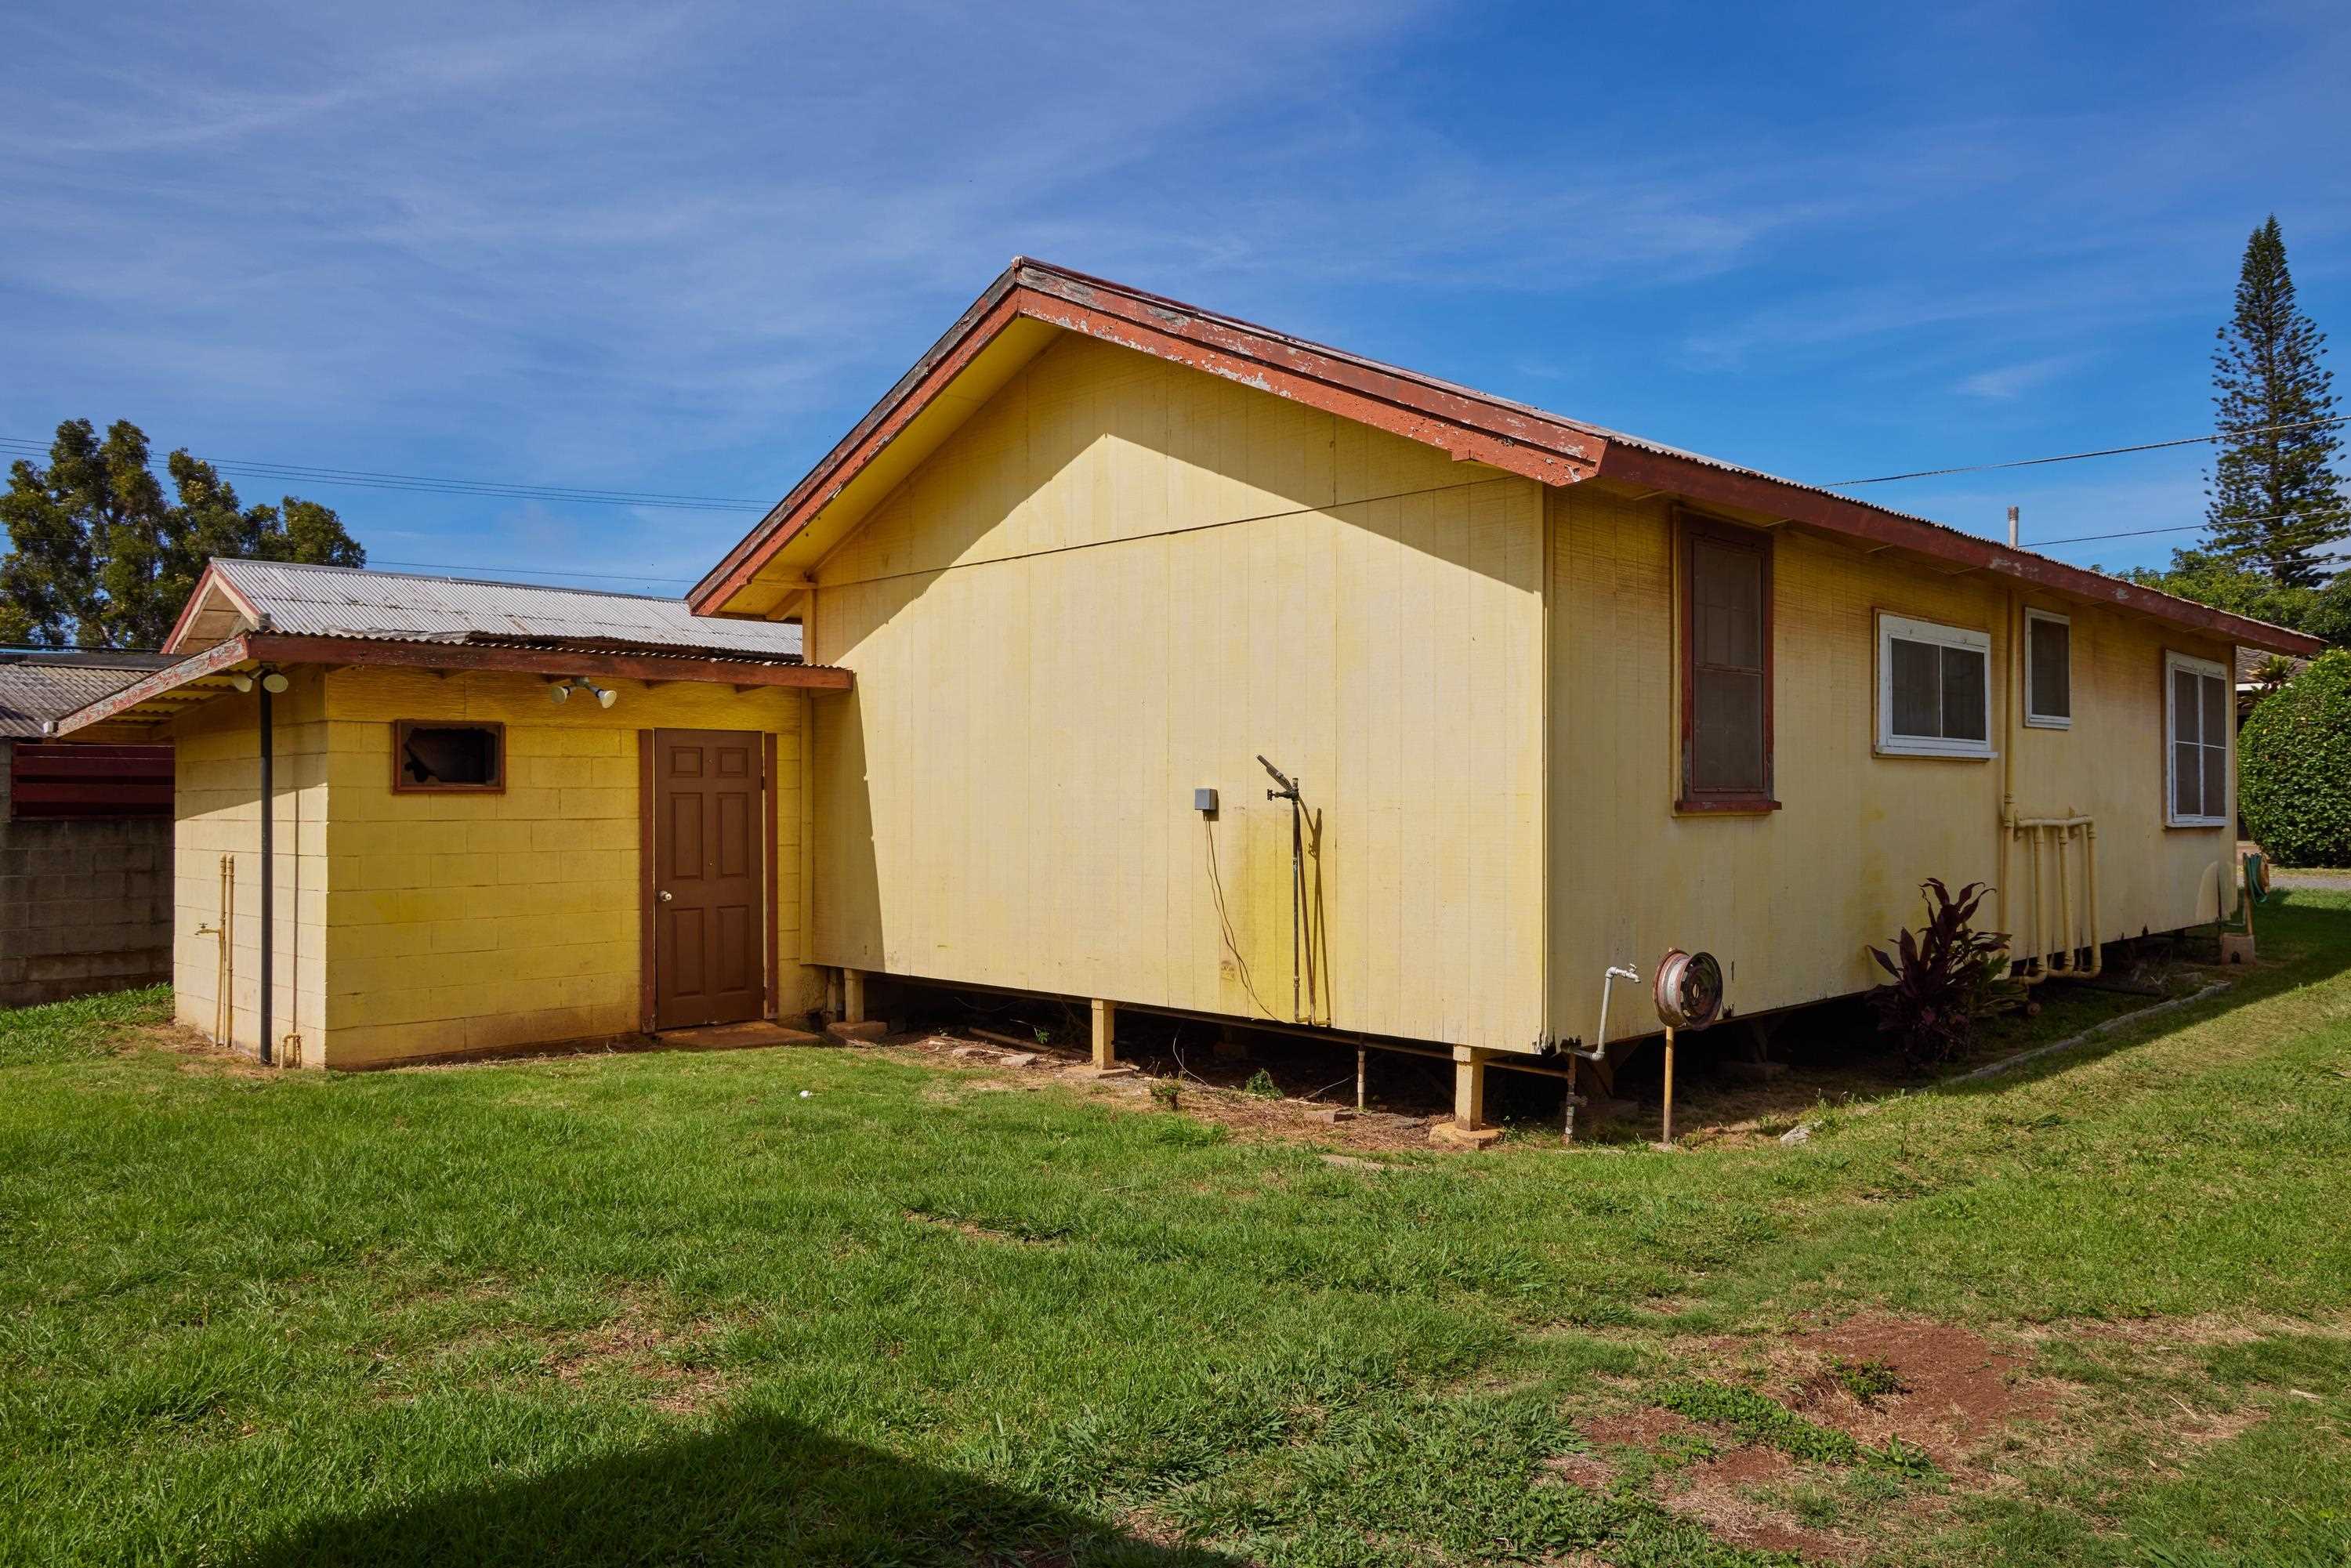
1728	806
1932	753
2038	721
2194	824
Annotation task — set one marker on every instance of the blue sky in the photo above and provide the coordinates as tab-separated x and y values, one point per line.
681	250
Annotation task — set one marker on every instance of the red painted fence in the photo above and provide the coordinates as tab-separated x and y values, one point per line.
89	781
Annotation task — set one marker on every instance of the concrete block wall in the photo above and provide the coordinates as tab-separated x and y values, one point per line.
84	905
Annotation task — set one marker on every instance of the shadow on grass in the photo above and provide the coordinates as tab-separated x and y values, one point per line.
761	1489
2314	935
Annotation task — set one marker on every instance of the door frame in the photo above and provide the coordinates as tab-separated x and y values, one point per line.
648	947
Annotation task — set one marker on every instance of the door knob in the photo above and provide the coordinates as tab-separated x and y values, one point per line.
663	895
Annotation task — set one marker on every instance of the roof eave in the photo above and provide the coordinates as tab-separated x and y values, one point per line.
262	647
1469	426
1801	504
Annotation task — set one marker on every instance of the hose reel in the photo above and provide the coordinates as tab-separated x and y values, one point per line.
1688	989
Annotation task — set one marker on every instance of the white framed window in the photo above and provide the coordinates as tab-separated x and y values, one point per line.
2048	670
1934	689
2197	726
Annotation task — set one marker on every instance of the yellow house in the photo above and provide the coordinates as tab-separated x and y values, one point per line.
1100	580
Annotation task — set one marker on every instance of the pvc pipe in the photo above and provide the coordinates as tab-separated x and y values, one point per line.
269	864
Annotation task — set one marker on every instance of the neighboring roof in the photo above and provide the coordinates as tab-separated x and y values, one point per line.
381	606
37	684
1469	424
2251	660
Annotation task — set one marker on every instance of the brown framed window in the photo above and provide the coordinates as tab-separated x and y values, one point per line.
1725	658
434	756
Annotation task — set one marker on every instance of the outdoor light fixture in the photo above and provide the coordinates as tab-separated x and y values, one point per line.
240	680
271	681
561	690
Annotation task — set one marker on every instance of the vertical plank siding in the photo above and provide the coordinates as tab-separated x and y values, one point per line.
1123	580
1788	899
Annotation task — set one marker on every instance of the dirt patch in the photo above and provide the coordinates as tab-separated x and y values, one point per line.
1952	1389
1723	1488
1645	1428
197	1051
639	1344
979	1232
1724	1494
1286	1118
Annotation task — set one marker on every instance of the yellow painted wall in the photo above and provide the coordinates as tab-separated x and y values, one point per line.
454	922
1788	899
1121	580
217	795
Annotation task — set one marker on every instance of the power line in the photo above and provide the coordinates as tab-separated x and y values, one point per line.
2077	456
373	479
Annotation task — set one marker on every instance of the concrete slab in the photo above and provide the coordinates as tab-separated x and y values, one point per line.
1453	1135
864	1033
748	1035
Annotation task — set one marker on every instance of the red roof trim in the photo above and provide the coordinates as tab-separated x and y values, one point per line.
1470	425
212	575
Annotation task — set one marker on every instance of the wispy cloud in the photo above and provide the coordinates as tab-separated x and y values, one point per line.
686	247
2005	383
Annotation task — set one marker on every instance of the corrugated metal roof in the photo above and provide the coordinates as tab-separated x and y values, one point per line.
42	684
347	601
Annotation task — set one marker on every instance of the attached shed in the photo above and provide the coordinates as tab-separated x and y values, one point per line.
85	835
496	816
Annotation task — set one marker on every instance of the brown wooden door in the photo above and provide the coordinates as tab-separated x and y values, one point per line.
708	914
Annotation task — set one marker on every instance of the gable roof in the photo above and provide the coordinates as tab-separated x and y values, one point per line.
1031	300
388	606
37	684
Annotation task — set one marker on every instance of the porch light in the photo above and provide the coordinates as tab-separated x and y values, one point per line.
561	690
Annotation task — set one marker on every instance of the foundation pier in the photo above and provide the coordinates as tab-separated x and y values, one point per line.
1468	1129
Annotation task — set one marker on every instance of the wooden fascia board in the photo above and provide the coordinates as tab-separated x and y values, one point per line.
295	650
1705	483
210	578
195	667
1461	426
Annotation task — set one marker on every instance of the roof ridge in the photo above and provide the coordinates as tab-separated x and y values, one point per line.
442	577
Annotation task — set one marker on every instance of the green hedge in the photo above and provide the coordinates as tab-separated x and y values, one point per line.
2294	767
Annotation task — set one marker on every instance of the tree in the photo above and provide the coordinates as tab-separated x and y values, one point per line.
2294	767
99	559
2275	499
2211	579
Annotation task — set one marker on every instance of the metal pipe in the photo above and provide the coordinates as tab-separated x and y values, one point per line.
2065	931
268	863
1668	1141
1600	1036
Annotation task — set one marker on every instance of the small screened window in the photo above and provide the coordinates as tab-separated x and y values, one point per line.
2048	670
1934	689
448	757
1726	667
2197	722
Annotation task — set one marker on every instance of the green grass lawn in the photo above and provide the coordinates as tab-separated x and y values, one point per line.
846	1307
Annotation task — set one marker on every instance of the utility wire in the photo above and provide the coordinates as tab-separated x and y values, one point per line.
2077	456
373	479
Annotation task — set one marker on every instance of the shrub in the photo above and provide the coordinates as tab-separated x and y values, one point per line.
1944	978
2294	767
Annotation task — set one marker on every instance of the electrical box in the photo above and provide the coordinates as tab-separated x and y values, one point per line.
1204	802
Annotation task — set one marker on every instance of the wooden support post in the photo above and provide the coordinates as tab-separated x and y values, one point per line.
1468	1128
1105	1035
853	996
